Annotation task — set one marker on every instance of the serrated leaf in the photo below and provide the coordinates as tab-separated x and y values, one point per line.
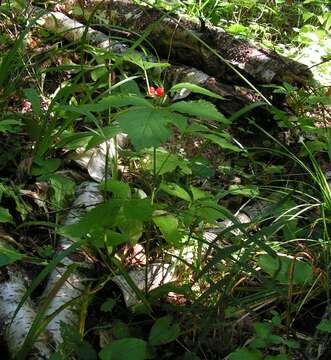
125	349
199	108
103	105
146	127
180	121
163	331
196	89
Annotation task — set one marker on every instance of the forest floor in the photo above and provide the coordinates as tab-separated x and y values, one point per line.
165	186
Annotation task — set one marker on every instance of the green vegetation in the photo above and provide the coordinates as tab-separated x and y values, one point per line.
237	206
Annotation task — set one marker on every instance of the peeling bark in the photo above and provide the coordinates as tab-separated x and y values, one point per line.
88	196
179	36
13	286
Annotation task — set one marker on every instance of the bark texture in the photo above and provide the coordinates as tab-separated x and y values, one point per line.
13	286
179	36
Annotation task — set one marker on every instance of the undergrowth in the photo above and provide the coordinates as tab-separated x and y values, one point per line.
178	187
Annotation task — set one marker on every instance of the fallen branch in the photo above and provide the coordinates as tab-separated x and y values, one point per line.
13	286
185	40
88	196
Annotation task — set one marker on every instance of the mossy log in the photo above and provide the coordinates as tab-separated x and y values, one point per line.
183	39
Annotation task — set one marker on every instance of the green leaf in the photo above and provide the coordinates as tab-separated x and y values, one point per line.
165	162
168	225
109	238
10	126
138	209
175	190
119	189
163	331
280	267
33	97
146	127
42	167
124	100
199	108
127	86
244	190
120	329
107	133
329	145
125	349
257	344
325	325
5	215
201	167
198	194
108	305
277	357
105	104
74	342
246	354
196	89
138	60
62	186
71	141
210	211
99	72
220	141
132	229
103	216
262	330
9	256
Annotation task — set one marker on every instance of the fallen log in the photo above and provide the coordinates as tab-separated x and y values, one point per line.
189	42
235	97
14	329
88	196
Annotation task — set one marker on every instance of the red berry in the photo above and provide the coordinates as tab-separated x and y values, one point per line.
159	91
151	91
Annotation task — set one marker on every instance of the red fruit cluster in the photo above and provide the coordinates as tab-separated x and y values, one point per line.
156	92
